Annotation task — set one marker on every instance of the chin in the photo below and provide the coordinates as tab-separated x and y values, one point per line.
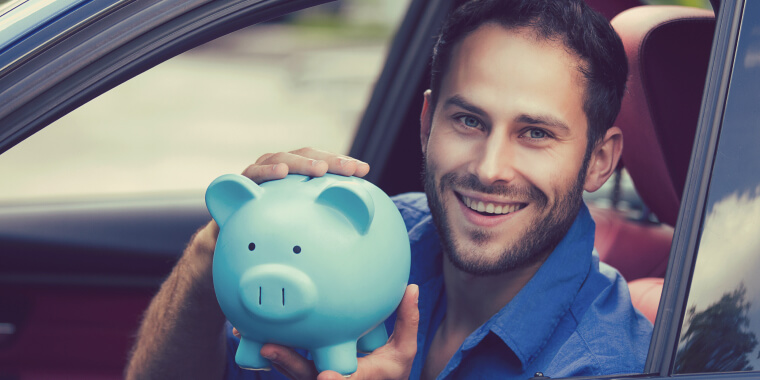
479	260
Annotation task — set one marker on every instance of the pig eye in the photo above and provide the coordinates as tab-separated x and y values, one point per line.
296	250
251	247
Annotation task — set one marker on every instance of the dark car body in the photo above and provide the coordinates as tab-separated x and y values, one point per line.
75	276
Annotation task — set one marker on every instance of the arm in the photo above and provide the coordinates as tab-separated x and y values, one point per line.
182	334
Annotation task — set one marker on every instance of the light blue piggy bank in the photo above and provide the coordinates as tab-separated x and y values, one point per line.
309	262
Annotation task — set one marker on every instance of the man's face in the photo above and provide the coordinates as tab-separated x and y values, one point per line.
504	150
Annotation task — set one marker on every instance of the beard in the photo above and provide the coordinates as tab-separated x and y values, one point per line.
542	234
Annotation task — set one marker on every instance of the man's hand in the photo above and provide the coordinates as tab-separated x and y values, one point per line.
306	161
392	361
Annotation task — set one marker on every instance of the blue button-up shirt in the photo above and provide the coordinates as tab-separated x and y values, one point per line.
573	318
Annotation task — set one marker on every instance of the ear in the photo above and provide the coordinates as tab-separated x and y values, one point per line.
228	193
604	159
426	120
352	201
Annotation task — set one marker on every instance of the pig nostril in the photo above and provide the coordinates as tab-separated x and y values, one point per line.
283	296
259	295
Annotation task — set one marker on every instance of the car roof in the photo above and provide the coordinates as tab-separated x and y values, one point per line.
23	17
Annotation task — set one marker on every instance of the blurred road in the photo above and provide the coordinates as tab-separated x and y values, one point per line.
210	111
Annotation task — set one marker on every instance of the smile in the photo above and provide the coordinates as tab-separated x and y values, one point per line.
490	207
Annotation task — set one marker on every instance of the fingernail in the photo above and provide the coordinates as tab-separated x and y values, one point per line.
315	162
271	356
274	167
343	162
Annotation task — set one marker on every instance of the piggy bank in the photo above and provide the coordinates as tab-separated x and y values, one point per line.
308	262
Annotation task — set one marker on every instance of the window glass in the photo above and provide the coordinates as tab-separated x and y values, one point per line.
721	327
300	81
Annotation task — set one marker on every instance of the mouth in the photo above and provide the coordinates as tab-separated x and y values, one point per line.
490	208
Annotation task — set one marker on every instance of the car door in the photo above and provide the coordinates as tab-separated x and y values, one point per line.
77	271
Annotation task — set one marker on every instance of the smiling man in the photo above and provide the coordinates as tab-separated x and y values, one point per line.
516	124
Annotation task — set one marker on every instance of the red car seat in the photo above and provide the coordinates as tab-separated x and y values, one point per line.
668	50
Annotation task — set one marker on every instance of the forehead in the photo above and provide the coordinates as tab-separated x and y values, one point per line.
511	69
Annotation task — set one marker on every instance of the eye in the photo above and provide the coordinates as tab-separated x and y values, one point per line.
537	134
251	247
296	250
469	121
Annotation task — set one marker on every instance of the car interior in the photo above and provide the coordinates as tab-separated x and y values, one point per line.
668	50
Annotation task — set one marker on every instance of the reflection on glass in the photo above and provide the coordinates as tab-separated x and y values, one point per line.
717	339
721	327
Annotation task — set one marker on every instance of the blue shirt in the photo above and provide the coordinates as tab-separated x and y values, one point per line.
573	318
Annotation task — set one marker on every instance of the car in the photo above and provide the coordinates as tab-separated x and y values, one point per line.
77	273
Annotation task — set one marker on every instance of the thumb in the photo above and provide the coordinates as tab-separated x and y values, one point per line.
404	338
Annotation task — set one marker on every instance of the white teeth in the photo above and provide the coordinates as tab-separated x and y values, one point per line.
489	207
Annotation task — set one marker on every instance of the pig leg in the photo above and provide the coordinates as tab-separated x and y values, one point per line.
373	340
340	358
248	356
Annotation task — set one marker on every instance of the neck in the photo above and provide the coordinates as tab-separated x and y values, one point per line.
473	300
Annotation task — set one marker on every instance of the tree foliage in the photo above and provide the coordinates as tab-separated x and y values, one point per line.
718	339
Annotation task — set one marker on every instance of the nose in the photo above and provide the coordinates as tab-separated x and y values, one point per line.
276	292
495	160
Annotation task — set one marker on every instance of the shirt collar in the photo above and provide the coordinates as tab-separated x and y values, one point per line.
549	294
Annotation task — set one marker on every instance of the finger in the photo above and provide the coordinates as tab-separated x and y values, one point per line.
332	375
263	158
404	337
236	333
289	362
262	173
296	163
394	360
336	163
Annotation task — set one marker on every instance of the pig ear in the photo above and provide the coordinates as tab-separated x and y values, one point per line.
228	193
351	200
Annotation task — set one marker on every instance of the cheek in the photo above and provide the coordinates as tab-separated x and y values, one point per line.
447	150
552	171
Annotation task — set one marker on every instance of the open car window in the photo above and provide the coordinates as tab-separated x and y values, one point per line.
298	81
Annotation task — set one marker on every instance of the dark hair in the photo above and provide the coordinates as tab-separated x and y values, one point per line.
585	33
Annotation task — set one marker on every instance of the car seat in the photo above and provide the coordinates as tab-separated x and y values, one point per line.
668	50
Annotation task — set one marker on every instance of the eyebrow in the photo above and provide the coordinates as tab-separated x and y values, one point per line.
545	120
458	101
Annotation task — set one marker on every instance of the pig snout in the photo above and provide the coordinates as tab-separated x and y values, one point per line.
277	292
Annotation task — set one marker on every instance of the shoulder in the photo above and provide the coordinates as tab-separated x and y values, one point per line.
413	208
611	336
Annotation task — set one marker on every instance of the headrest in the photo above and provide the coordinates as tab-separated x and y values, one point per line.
609	8
668	50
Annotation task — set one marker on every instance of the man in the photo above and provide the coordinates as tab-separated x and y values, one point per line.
517	123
